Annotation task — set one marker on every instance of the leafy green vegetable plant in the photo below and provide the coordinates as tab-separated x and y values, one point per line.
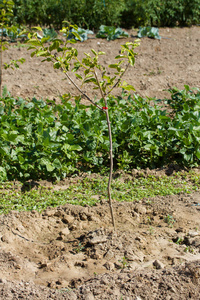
12	34
38	140
83	34
150	32
185	99
86	71
49	32
111	33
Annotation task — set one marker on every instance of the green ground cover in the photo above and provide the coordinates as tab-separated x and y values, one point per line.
88	191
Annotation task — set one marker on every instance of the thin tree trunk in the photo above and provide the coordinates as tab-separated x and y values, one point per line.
111	151
111	168
104	109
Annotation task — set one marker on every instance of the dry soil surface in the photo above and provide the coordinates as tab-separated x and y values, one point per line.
160	64
72	252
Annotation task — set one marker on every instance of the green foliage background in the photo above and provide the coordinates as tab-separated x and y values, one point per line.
93	13
48	140
161	13
90	13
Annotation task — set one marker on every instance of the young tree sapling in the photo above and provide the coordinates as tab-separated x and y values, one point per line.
87	71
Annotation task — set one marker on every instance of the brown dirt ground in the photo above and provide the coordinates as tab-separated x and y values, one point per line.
72	252
160	64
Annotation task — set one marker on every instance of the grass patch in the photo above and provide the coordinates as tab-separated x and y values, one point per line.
83	191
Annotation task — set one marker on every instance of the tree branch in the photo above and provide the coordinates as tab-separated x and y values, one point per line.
118	80
85	95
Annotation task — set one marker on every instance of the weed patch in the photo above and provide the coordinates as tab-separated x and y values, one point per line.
89	191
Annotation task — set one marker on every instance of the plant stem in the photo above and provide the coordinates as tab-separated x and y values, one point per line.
110	135
111	151
118	80
111	166
76	86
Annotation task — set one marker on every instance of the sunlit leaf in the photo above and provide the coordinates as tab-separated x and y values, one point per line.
79	76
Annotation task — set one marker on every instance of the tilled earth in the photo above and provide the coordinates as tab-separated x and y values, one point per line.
72	252
160	65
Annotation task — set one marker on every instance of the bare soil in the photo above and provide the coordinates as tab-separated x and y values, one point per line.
160	65
72	252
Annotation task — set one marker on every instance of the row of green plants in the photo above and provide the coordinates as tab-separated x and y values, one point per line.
42	139
14	34
91	14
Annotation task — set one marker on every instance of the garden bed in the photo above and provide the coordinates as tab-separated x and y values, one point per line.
72	252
